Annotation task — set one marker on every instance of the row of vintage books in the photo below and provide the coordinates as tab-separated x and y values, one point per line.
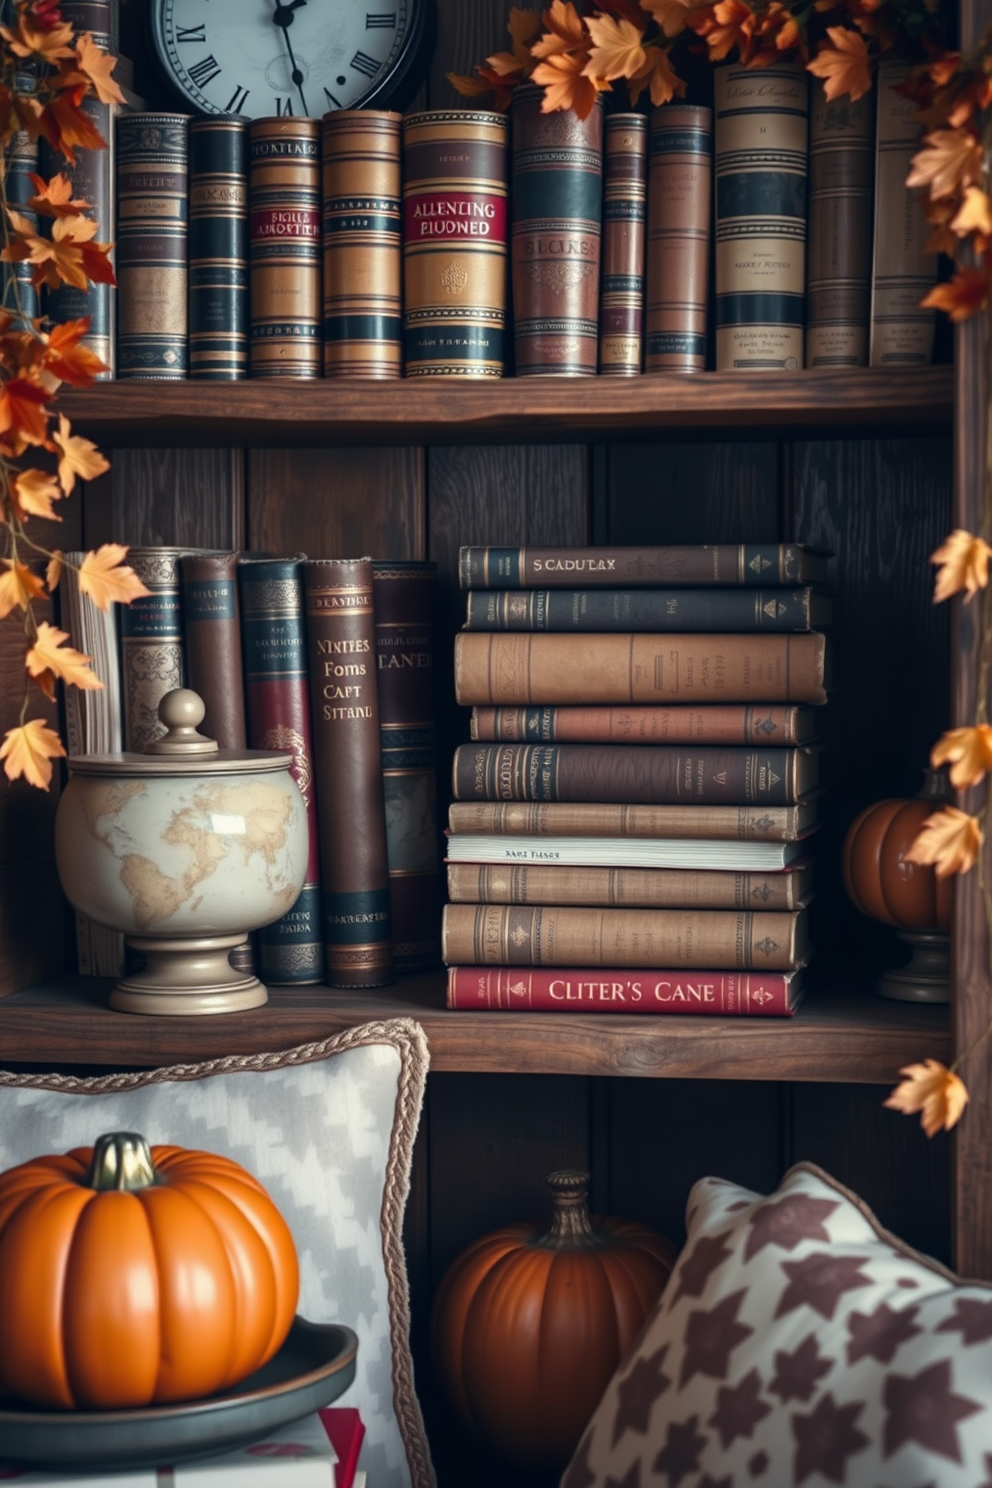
367	244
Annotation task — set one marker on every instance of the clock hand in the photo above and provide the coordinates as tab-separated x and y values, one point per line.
284	17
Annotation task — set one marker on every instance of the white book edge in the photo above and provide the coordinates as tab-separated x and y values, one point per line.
621	852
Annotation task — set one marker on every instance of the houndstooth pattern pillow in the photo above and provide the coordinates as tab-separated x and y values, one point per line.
328	1128
798	1343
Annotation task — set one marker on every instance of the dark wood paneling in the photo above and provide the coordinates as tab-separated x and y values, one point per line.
338	503
168	496
466	35
694	493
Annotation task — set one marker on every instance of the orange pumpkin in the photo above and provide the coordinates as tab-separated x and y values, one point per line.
877	877
130	1277
527	1328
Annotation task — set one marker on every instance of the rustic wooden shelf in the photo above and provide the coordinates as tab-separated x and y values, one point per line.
546	410
838	1035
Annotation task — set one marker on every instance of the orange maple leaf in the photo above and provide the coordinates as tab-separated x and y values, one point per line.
34	491
29	750
53	571
66	358
504	64
469	87
670	15
565	85
18	587
729	24
566	31
934	1090
949	839
616	50
970	752
963	563
950	160
54	198
50	657
107	579
23	416
974	214
79	456
26	38
844	67
96	65
961	297
658	75
64	124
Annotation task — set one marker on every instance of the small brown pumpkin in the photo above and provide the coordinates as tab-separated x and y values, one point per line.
877	877
528	1326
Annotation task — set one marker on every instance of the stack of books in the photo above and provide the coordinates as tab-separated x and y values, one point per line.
629	825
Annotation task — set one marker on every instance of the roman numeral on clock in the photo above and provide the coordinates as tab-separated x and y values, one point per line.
204	71
237	101
381	20
368	65
284	107
191	33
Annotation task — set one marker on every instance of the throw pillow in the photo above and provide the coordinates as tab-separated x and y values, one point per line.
797	1342
328	1128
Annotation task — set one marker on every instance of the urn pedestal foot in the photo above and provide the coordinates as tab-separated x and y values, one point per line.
187	976
926	977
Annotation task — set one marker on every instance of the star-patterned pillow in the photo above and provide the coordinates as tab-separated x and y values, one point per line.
797	1342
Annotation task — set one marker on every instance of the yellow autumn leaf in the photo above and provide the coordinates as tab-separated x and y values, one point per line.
468	87
54	571
844	66
616	50
969	752
658	75
963	563
950	839
79	456
565	85
669	14
50	654
18	587
34	492
107	579
935	1091
97	65
566	31
974	215
950	160
29	751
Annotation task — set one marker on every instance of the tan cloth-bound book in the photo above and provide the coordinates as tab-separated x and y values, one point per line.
284	247
680	211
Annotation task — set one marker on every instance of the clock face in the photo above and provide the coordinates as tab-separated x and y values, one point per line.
300	57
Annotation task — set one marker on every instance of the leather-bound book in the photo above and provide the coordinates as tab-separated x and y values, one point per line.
218	248
212	627
760	823
152	201
647	609
363	244
21	160
683	564
761	160
277	709
344	708
838	282
404	598
625	195
555	236
680	197
454	243
902	272
713	723
596	990
284	247
637	888
151	643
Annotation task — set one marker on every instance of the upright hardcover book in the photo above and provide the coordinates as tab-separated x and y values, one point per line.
625	190
902	271
841	140
680	211
643	567
556	236
761	166
454	243
20	161
212	629
363	244
284	247
152	205
647	609
277	708
218	248
347	760
595	990
735	723
151	643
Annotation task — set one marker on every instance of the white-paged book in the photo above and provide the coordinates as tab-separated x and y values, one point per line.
623	852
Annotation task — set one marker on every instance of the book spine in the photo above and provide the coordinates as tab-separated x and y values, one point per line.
284	247
350	807
595	990
555	236
277	709
679	227
761	163
734	724
362	243
838	284
454	243
638	609
528	935
902	271
218	249
212	630
642	567
21	160
636	774
497	668
151	643
404	602
625	193
598	819
641	888
152	198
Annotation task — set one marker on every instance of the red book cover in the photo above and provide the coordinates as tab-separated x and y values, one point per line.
346	1432
561	990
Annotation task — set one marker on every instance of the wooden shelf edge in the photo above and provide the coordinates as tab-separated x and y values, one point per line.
838	1036
549	410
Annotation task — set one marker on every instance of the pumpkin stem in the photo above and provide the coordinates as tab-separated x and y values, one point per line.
122	1161
571	1228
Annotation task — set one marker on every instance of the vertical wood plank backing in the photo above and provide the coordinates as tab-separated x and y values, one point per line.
337	503
168	496
467	33
693	493
972	983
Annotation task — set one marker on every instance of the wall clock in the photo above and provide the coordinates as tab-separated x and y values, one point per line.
299	57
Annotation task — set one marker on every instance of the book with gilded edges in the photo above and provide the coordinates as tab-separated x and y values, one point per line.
284	247
754	856
553	935
681	565
733	723
218	248
625	192
600	819
498	668
152	211
595	990
680	211
652	774
838	281
351	819
212	629
637	888
647	609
